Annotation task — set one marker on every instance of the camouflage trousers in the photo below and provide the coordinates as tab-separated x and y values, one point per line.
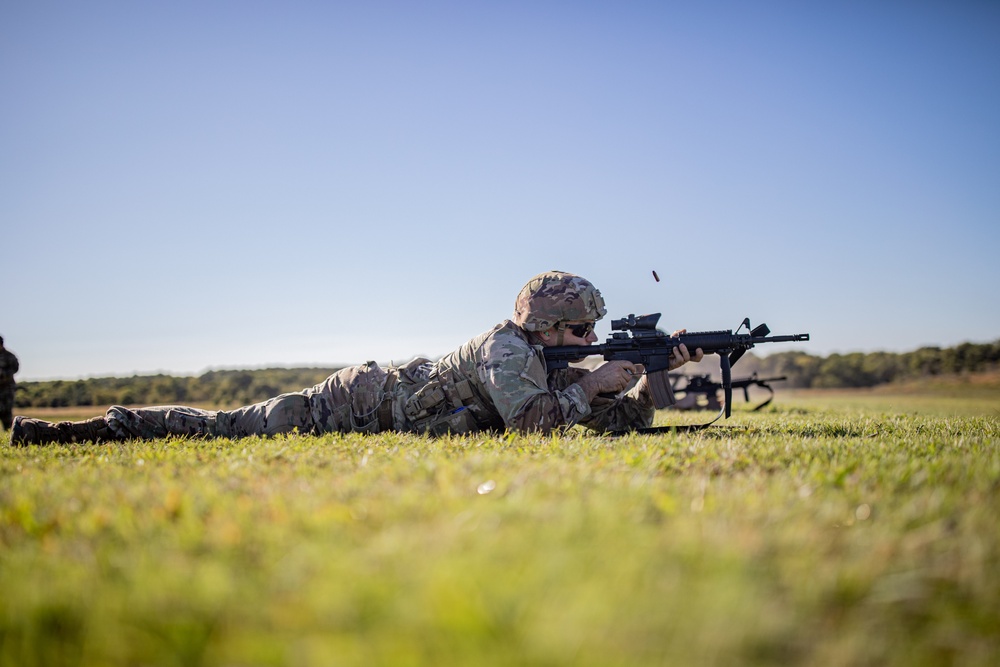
414	397
352	399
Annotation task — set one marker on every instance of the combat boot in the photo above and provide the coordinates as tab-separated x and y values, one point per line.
26	431
91	430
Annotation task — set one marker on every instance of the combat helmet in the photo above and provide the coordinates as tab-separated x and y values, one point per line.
556	296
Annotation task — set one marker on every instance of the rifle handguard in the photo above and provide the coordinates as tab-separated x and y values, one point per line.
660	389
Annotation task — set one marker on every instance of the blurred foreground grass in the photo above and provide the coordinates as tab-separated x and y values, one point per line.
830	530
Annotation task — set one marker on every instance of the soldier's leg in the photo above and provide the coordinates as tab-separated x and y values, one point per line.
281	414
160	421
27	431
277	415
120	423
7	409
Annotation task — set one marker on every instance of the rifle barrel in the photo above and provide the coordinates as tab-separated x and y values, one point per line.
792	338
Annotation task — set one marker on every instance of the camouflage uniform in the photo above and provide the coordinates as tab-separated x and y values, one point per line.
496	381
8	367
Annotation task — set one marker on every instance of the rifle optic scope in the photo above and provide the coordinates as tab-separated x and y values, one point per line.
631	323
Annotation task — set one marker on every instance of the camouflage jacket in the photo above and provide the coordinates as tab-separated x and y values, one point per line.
501	379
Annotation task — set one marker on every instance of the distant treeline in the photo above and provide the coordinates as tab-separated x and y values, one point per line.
874	368
231	388
214	388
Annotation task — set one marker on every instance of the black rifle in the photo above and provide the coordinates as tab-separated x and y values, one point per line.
703	384
637	339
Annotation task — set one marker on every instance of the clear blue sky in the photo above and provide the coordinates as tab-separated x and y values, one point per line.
194	185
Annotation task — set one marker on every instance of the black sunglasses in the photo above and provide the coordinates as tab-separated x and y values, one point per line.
582	330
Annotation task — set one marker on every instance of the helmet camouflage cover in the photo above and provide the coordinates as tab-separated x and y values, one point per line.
557	296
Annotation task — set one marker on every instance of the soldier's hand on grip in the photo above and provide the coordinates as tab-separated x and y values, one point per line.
610	378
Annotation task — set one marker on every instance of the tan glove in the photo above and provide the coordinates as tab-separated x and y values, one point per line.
681	353
610	378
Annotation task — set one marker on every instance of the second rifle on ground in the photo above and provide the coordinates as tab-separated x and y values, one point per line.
693	386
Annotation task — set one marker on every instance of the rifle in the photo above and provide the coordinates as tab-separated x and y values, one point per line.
703	384
637	339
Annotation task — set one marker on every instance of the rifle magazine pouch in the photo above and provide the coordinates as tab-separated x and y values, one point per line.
456	421
438	407
446	422
428	400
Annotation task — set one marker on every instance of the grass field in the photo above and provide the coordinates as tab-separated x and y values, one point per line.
837	528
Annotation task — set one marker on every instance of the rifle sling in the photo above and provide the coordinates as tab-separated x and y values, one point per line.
680	428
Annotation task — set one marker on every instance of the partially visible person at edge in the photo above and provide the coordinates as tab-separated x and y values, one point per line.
8	366
497	381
